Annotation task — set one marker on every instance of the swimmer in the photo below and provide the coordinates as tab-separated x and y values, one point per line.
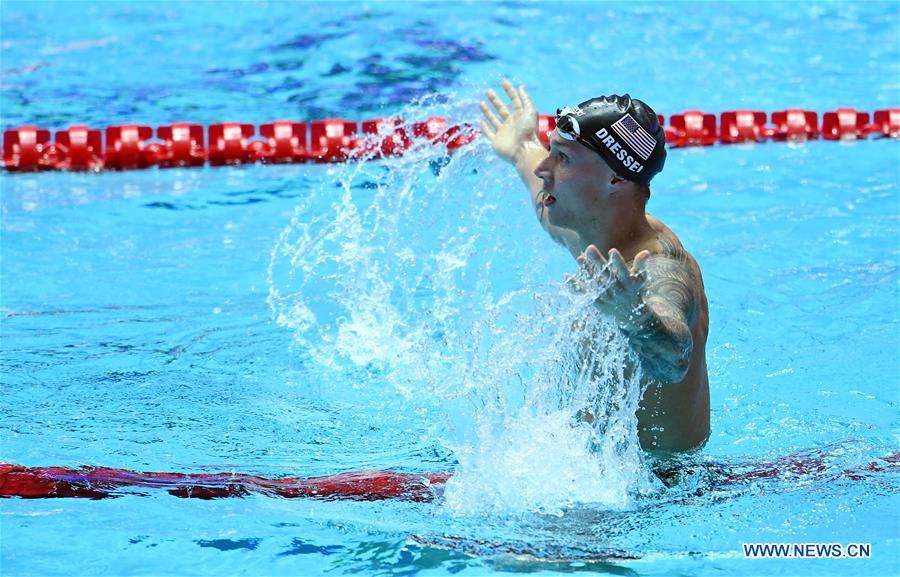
590	193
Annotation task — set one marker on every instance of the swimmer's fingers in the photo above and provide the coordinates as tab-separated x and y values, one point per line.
498	104
490	116
525	98
487	131
574	283
585	264
639	265
595	257
618	266
593	262
513	95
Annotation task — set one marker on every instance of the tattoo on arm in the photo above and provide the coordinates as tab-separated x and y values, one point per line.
661	332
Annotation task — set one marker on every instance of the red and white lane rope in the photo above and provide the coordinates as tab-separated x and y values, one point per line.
103	482
132	146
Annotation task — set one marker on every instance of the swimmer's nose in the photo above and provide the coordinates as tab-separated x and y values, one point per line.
542	170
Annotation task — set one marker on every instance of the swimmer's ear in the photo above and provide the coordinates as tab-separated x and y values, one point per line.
616	182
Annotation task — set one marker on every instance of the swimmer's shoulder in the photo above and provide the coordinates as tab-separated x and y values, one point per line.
667	244
668	241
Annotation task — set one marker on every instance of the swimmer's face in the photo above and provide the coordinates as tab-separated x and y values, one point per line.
575	183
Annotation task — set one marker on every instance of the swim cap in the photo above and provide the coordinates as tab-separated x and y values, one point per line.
625	132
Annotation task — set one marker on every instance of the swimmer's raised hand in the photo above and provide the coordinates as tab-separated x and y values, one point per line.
651	302
510	132
620	285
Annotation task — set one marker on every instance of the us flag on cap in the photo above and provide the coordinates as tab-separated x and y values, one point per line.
634	134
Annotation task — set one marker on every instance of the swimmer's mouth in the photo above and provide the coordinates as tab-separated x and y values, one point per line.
546	198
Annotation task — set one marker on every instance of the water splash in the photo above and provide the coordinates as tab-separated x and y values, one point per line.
541	454
414	273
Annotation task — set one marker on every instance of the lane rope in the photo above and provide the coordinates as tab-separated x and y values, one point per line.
132	146
103	482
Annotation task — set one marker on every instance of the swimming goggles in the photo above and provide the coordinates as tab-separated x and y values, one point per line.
567	126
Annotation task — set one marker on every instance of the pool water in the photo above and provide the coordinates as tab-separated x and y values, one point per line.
409	314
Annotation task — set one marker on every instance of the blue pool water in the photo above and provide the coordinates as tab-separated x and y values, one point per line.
402	314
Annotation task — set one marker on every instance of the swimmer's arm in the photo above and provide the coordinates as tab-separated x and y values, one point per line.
659	327
513	134
652	302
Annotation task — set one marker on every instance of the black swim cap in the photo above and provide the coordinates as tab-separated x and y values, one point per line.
625	132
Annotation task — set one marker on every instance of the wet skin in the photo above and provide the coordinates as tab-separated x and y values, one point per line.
649	283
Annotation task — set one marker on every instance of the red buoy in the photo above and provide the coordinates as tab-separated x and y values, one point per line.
24	149
795	125
845	124
692	128
285	142
395	140
332	138
228	143
125	147
79	148
182	145
887	123
742	126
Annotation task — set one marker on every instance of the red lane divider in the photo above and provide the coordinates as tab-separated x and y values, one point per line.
795	125
887	122
228	143
128	146
691	128
331	139
547	123
845	123
125	147
742	126
79	148
103	482
27	148
396	140
285	142
182	146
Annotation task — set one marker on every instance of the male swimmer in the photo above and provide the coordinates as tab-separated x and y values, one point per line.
590	193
